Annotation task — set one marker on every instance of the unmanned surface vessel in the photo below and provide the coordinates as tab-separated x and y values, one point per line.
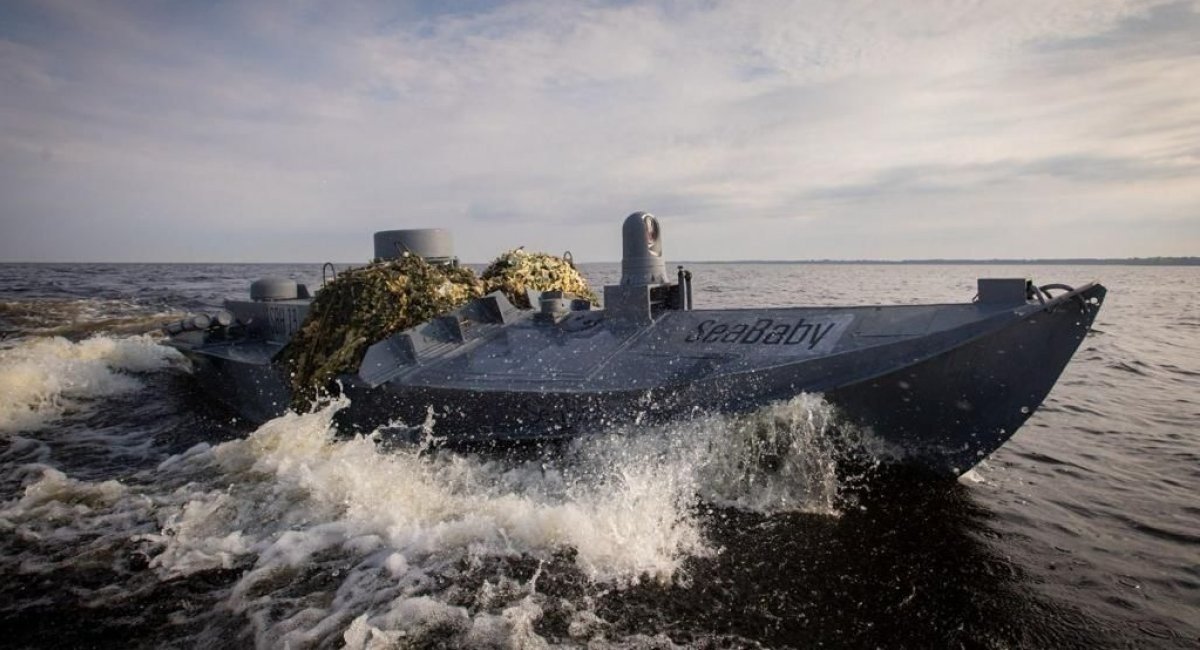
944	384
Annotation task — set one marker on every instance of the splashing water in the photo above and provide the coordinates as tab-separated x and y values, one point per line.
43	379
335	540
403	527
323	539
330	540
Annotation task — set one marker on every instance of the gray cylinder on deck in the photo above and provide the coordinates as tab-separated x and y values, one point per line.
641	259
433	244
274	289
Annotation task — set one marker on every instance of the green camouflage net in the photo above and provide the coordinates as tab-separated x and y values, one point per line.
366	305
515	271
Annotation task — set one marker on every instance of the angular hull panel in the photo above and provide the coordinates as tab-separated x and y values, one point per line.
944	384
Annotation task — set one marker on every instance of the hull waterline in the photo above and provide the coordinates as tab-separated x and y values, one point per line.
949	412
941	402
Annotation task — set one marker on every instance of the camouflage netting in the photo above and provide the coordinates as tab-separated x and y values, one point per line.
515	271
366	305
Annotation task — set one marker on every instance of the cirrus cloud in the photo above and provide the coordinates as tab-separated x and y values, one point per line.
265	131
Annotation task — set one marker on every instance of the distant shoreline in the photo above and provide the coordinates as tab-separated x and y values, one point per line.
1083	261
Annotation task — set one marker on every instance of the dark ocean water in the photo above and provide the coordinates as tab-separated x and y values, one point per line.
134	513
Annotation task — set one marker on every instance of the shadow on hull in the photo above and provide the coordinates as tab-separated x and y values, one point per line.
949	412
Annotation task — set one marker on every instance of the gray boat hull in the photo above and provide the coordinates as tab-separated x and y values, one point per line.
950	411
941	386
943	403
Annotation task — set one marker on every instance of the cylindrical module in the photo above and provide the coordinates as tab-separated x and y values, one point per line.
433	244
642	261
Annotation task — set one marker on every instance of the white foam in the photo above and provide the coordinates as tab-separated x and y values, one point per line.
780	458
43	379
392	529
634	523
75	518
341	541
55	487
200	541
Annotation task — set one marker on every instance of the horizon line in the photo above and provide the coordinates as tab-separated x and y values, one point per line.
1164	260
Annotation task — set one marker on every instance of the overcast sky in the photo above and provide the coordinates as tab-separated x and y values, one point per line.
290	131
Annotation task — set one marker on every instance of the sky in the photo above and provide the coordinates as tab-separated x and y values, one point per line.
292	130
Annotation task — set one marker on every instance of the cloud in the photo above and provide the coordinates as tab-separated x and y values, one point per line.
899	182
767	129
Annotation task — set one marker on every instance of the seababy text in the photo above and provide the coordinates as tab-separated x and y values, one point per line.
763	331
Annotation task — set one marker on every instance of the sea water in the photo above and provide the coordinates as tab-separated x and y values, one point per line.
135	512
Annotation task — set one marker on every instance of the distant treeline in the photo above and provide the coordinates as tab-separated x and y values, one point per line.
1079	261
